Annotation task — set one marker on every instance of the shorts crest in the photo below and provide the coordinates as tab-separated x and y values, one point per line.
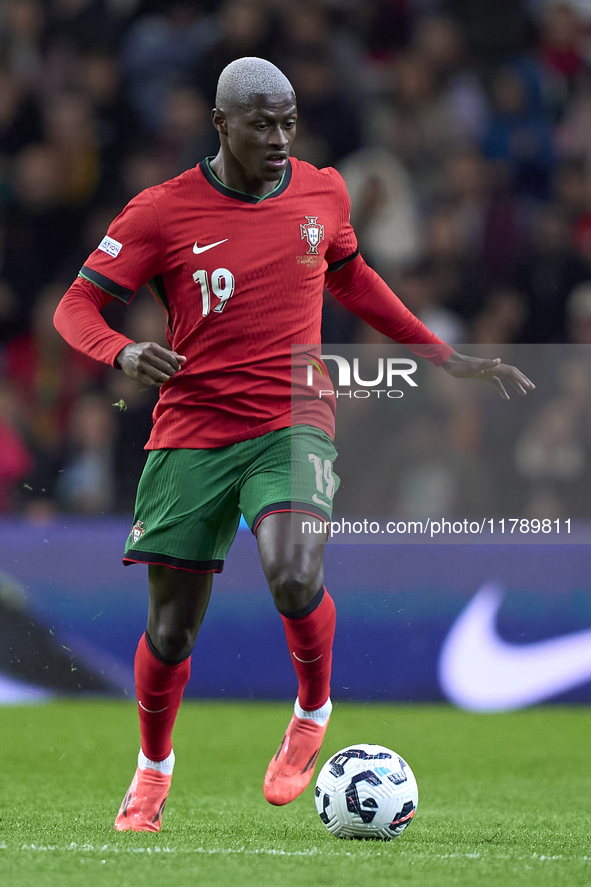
137	531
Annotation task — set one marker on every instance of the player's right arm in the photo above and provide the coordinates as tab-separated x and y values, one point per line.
79	321
127	257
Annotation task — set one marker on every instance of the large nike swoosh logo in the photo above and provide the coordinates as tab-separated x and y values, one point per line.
480	671
203	249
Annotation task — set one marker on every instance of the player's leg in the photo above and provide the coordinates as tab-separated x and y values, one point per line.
292	471
295	576
185	519
178	601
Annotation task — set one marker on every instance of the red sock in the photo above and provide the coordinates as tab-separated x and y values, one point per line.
159	689
309	640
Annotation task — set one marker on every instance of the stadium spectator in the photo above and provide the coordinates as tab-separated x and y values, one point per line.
86	481
40	227
573	134
185	137
243	28
571	192
328	112
387	26
519	134
410	117
143	168
384	209
486	214
116	129
459	281
495	30
21	37
561	54
159	52
313	29
549	270
70	128
441	42
20	118
80	26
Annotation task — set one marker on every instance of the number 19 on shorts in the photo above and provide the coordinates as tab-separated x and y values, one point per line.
325	481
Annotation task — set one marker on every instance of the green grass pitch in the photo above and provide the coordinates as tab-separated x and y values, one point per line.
503	800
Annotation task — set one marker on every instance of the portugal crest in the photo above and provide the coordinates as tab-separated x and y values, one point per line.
137	531
313	233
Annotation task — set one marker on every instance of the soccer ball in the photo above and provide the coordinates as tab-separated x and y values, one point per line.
366	791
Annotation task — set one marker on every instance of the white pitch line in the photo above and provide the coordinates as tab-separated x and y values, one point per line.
210	851
270	851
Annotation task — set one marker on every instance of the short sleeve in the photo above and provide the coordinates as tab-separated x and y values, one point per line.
130	254
344	246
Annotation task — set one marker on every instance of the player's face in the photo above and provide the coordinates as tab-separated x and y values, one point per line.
260	135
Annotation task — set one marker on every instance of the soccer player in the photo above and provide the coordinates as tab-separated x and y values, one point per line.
238	251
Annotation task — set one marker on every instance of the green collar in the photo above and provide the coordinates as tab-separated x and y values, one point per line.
205	167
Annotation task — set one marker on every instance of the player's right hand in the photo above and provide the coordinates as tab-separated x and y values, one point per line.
149	362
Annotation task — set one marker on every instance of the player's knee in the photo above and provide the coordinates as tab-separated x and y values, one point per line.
292	592
173	643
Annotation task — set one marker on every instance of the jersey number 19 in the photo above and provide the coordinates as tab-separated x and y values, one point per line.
222	285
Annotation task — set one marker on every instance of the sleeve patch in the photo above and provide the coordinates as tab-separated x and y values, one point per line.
110	246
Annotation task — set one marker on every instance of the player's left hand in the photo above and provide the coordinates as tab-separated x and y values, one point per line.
462	366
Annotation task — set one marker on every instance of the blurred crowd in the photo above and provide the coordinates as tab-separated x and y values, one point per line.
462	129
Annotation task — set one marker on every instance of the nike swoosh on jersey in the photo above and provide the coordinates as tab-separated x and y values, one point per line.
480	671
203	249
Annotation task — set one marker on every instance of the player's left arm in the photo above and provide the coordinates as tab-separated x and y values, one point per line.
362	291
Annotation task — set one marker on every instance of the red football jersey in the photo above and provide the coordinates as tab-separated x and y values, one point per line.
242	280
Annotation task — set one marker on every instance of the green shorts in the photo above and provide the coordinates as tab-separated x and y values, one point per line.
189	502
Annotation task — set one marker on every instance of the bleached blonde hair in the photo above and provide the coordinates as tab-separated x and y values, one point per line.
249	76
